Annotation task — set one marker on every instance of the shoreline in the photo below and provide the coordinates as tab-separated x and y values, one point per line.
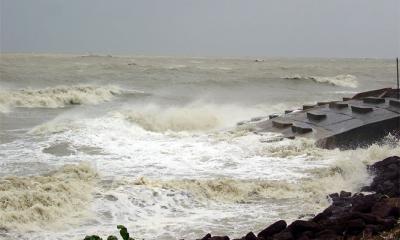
373	213
355	216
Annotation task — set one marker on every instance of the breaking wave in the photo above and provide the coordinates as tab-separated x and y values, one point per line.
192	117
348	80
40	201
57	97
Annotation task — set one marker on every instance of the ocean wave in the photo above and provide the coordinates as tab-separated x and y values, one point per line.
41	201
192	117
348	80
57	97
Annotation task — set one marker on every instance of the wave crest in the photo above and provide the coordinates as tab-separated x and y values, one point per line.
192	117
36	201
57	97
342	80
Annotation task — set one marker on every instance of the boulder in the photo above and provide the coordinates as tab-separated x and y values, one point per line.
219	238
364	203
344	194
389	207
250	236
206	237
355	226
284	235
326	234
274	228
300	226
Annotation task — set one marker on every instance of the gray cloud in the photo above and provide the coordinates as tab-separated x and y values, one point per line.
291	28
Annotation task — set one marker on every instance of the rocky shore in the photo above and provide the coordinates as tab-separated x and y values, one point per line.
363	215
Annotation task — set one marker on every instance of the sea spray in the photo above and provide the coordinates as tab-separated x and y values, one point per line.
196	116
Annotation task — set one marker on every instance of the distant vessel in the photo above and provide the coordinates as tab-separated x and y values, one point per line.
358	121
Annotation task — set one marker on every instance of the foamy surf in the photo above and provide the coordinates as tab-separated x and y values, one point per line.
348	80
48	201
59	97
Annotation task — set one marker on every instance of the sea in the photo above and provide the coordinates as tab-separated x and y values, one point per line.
88	142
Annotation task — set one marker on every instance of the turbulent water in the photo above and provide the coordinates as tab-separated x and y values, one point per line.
89	142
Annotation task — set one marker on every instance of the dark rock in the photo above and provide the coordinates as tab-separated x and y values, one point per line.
206	237
366	217
219	238
371	229
356	224
250	236
386	162
326	234
273	229
300	226
364	203
334	195
284	235
366	189
308	234
344	194
338	228
387	207
303	238
388	223
387	177
323	215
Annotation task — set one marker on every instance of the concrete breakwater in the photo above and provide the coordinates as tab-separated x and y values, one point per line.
358	121
350	216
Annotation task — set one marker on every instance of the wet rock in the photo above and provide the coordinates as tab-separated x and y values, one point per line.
364	203
323	215
250	236
307	234
219	238
344	194
206	237
303	238
367	218
273	229
355	226
334	195
388	223
386	208
371	230
284	235
387	177
300	226
326	234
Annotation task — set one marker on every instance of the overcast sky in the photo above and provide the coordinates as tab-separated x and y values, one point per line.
264	28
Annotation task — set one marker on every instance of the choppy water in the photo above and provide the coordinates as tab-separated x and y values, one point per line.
90	142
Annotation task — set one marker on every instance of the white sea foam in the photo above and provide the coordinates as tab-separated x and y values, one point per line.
39	202
348	80
183	205
57	97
